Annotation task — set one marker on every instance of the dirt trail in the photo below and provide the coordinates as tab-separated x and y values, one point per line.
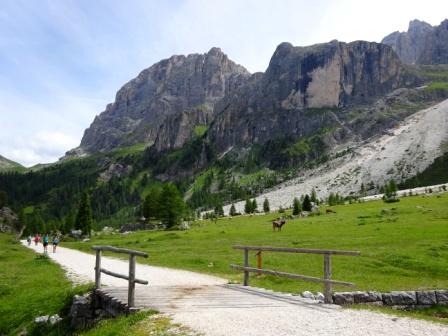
208	305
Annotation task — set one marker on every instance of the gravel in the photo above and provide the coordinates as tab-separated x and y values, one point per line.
401	152
210	306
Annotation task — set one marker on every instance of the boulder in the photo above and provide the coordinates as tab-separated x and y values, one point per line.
426	297
367	297
343	298
308	295
41	319
442	297
320	297
401	298
55	319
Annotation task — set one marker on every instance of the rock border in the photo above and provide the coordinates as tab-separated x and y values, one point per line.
395	298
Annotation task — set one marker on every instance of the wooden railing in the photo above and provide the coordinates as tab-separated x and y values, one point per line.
132	280
327	281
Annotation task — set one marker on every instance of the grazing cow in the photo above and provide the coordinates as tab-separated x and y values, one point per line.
278	224
329	211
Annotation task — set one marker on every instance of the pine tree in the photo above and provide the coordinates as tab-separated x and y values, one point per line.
151	204
306	205
314	197
219	211
232	211
171	205
248	206
266	208
69	223
84	217
254	205
296	208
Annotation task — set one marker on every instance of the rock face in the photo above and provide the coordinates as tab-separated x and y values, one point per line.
302	88
9	222
179	87
435	50
409	45
421	44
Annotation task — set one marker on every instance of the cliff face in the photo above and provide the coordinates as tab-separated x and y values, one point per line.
301	90
409	45
435	50
180	85
421	44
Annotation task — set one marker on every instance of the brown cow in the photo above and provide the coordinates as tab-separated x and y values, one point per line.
329	211
278	224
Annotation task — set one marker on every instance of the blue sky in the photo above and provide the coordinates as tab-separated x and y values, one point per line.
62	61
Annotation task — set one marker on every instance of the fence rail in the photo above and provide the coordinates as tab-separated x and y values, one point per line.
132	280
326	280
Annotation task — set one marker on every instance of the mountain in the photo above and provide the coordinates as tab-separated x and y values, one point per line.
180	91
421	44
304	91
331	116
8	165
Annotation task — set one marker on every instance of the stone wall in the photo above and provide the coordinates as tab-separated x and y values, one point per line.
397	299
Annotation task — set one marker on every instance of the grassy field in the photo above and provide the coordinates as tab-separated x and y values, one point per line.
403	245
30	286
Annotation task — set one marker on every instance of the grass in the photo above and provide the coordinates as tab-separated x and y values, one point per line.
200	130
30	286
401	249
139	324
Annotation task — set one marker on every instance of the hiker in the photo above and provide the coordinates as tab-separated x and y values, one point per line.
55	242
45	243
36	239
28	240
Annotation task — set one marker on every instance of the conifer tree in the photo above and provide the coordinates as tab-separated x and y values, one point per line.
306	205
314	197
171	205
266	207
296	208
84	217
232	211
151	204
254	205
248	206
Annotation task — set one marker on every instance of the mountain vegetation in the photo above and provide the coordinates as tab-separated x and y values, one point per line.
199	131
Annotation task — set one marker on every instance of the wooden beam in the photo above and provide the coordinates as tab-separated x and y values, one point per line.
292	276
246	265
98	269
131	286
121	276
296	250
327	276
120	250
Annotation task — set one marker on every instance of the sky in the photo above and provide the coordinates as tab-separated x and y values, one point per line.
62	61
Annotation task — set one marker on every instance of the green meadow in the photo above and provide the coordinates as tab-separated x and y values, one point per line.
403	245
31	286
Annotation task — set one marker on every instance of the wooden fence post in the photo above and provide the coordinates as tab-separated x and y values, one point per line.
327	276
98	269
259	261
131	281
246	264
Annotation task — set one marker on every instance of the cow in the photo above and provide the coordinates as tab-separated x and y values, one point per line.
278	223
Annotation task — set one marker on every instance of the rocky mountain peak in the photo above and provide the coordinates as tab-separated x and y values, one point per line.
421	44
298	80
176	85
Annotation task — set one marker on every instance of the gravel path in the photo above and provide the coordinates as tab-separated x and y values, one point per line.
208	305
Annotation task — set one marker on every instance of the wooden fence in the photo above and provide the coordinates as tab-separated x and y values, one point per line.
326	280
132	280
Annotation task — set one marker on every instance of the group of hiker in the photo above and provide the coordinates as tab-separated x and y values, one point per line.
45	241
